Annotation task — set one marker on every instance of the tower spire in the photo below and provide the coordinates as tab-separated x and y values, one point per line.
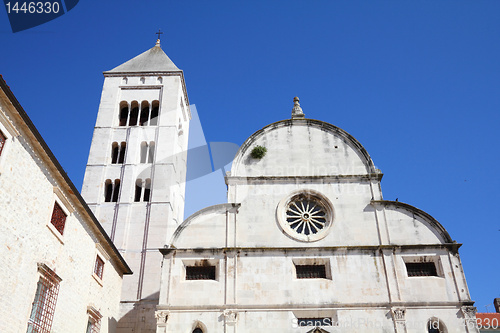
297	110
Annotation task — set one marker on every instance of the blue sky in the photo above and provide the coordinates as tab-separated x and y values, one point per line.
416	82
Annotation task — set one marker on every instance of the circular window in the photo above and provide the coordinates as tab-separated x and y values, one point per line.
305	215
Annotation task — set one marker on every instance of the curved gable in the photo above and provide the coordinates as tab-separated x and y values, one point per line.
302	147
408	225
204	229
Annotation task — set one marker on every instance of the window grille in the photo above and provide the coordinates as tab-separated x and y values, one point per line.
99	267
310	271
94	323
200	272
421	269
42	312
58	218
326	321
2	141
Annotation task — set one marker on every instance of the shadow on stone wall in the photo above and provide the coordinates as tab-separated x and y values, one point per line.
139	317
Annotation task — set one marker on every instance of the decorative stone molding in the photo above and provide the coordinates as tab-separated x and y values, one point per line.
230	316
161	316
399	314
469	312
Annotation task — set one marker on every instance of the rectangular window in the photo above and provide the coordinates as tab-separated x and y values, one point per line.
42	311
421	269
58	218
200	272
2	141
99	267
314	322
310	271
94	323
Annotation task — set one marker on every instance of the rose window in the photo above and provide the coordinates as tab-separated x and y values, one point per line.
305	216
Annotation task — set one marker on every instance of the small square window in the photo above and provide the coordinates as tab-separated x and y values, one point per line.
200	272
99	267
310	271
58	218
421	269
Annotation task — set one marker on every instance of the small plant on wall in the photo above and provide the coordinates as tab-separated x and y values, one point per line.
258	152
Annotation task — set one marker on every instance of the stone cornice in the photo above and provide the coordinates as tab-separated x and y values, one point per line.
305	250
330	306
321	179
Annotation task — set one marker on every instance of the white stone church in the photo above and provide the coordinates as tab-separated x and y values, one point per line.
305	242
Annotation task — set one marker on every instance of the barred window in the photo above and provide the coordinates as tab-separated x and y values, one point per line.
58	218
310	271
2	141
42	311
200	272
99	267
94	323
421	269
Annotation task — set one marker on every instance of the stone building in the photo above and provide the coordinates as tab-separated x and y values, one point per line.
135	176
306	242
60	271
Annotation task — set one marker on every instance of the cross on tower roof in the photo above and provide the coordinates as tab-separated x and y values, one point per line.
158	33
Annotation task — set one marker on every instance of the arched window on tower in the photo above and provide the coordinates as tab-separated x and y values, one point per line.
111	190
197	330
151	152
155	111
123	113
118	152
134	113
143	121
142	190
147	152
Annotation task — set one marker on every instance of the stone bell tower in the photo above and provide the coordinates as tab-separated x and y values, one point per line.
135	176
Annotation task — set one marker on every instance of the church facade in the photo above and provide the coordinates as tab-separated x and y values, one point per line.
305	243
